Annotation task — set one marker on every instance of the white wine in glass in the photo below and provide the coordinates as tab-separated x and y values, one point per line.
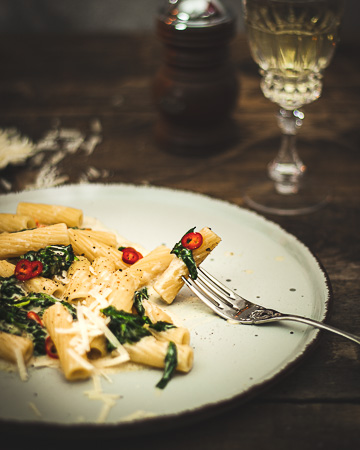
292	41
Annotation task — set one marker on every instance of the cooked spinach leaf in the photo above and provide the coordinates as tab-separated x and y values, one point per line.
162	326
11	290
14	320
55	259
12	293
139	297
127	327
186	255
15	304
170	365
131	328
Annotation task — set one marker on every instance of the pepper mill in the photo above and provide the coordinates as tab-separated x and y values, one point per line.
196	88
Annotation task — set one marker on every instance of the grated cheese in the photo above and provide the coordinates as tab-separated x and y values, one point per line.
35	409
83	330
100	294
113	361
44	361
109	400
72	330
100	323
21	364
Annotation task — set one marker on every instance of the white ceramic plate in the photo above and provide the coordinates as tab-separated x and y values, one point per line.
256	257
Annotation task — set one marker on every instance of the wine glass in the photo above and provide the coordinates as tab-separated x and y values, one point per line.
292	41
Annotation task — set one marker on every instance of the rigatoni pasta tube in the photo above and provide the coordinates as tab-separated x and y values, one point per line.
51	214
152	352
15	222
105	237
170	282
10	344
16	244
152	265
98	347
102	270
155	313
92	249
122	291
6	268
179	335
81	263
44	285
75	366
125	283
79	281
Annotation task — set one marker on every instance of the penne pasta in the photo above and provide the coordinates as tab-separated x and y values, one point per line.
15	222
51	214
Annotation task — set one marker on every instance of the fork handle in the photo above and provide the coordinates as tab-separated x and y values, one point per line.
317	324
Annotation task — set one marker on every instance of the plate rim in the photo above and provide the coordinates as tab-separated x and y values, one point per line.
174	420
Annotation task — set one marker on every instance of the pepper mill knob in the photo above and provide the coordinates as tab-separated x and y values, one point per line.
196	88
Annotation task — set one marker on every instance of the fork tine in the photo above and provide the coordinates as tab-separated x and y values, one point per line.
231	297
208	298
215	282
213	287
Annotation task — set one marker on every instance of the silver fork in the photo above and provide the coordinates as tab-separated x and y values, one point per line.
229	305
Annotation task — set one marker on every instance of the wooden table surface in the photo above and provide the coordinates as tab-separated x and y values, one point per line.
81	82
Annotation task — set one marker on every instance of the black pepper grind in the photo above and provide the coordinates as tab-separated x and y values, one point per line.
196	88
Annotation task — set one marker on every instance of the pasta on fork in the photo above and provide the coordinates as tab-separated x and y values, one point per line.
79	296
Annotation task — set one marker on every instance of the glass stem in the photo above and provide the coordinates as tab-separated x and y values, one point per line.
287	170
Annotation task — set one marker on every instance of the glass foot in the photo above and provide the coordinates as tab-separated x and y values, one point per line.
262	196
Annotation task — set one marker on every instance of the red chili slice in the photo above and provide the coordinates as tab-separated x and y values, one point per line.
25	269
33	316
192	240
130	255
39	225
50	348
36	268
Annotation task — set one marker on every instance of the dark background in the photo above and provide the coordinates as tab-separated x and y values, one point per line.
112	16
